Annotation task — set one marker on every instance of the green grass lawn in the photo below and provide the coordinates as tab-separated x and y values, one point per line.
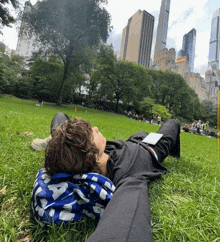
185	203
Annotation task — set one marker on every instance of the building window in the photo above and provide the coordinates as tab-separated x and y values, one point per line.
28	42
27	52
19	45
18	50
28	48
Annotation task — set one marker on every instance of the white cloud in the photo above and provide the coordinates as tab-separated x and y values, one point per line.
122	10
202	40
9	37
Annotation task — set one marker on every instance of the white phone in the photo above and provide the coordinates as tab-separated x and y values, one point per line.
152	138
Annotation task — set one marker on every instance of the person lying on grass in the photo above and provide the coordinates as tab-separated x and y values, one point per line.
85	175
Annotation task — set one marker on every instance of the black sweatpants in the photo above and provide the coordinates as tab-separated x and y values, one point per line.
58	119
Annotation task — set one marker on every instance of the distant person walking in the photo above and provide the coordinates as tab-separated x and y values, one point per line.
153	118
158	119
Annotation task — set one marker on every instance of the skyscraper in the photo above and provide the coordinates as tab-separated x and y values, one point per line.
137	38
162	26
26	46
214	46
188	48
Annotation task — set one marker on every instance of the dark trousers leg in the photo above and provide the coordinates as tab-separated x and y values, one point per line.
169	144
58	119
127	215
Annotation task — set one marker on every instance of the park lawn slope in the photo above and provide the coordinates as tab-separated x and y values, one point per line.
184	203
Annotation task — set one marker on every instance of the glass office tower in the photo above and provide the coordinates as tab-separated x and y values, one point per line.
214	46
162	26
188	48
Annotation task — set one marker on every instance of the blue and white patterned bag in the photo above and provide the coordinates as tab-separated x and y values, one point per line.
65	197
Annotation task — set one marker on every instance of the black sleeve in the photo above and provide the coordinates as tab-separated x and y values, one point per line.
138	136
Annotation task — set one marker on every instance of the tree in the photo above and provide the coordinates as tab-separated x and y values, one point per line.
75	83
5	17
161	111
10	71
68	28
44	77
146	107
2	47
209	112
171	90
149	107
92	87
119	80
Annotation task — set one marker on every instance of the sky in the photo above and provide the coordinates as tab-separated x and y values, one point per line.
184	16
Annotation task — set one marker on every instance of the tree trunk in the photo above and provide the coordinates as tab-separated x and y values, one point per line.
65	75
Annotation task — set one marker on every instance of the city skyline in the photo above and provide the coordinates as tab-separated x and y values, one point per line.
184	15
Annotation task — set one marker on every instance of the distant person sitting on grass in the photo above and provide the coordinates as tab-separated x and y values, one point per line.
206	127
82	168
40	103
186	128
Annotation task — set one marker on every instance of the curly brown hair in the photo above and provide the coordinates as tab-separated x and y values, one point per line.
72	149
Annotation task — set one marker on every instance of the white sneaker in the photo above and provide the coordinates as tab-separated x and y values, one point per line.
39	144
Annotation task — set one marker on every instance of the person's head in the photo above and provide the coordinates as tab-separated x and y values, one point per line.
74	148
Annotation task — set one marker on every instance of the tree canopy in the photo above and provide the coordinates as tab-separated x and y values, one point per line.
120	80
69	29
6	19
149	106
10	72
208	112
171	90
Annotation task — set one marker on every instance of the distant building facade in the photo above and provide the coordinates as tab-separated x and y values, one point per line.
214	46
26	45
212	77
198	84
181	67
162	27
204	88
137	38
188	48
165	58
